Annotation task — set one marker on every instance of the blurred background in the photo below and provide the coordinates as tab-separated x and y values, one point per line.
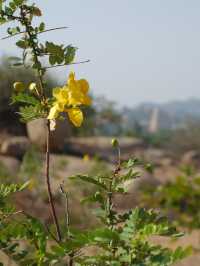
144	80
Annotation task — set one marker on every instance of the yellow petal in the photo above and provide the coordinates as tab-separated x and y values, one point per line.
87	100
60	106
54	112
61	94
75	116
71	76
75	97
84	85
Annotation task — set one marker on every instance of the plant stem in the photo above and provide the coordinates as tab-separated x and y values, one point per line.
71	260
34	46
53	210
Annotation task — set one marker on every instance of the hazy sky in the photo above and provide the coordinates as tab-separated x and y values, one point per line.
140	50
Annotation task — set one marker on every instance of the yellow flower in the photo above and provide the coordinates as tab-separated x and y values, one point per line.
75	116
69	98
78	90
86	157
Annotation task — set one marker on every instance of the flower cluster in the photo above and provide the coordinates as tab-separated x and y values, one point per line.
69	98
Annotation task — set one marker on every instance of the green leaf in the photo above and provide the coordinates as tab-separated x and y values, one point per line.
18	2
90	180
22	44
56	53
97	197
8	11
29	113
6	190
2	20
12	6
13	31
103	236
52	60
42	26
70	53
181	253
131	163
25	98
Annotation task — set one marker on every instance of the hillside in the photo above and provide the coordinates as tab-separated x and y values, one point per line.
170	115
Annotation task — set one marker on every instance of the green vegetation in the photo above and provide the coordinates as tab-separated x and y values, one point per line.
178	198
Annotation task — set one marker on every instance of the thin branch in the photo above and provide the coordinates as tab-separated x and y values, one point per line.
50	233
22	32
53	210
67	215
58	28
12	214
13	35
75	63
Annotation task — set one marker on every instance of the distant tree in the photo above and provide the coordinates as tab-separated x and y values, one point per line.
8	113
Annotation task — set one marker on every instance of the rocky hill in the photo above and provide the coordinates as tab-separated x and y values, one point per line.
170	115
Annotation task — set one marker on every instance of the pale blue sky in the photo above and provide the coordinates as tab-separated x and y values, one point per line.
140	50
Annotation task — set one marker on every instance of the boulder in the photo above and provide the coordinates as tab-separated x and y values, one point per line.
154	156
36	130
15	146
11	164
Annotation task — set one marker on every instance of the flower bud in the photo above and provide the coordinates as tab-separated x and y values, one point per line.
114	143
19	86
32	86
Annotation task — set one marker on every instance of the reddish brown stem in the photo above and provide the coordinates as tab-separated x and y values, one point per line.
50	195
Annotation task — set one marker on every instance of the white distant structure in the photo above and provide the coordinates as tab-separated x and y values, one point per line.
153	121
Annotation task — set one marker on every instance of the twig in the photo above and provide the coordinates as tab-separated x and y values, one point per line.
72	254
75	63
67	215
22	32
51	234
58	28
71	259
12	214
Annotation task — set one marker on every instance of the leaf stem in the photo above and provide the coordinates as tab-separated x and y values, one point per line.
75	63
22	32
67	213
